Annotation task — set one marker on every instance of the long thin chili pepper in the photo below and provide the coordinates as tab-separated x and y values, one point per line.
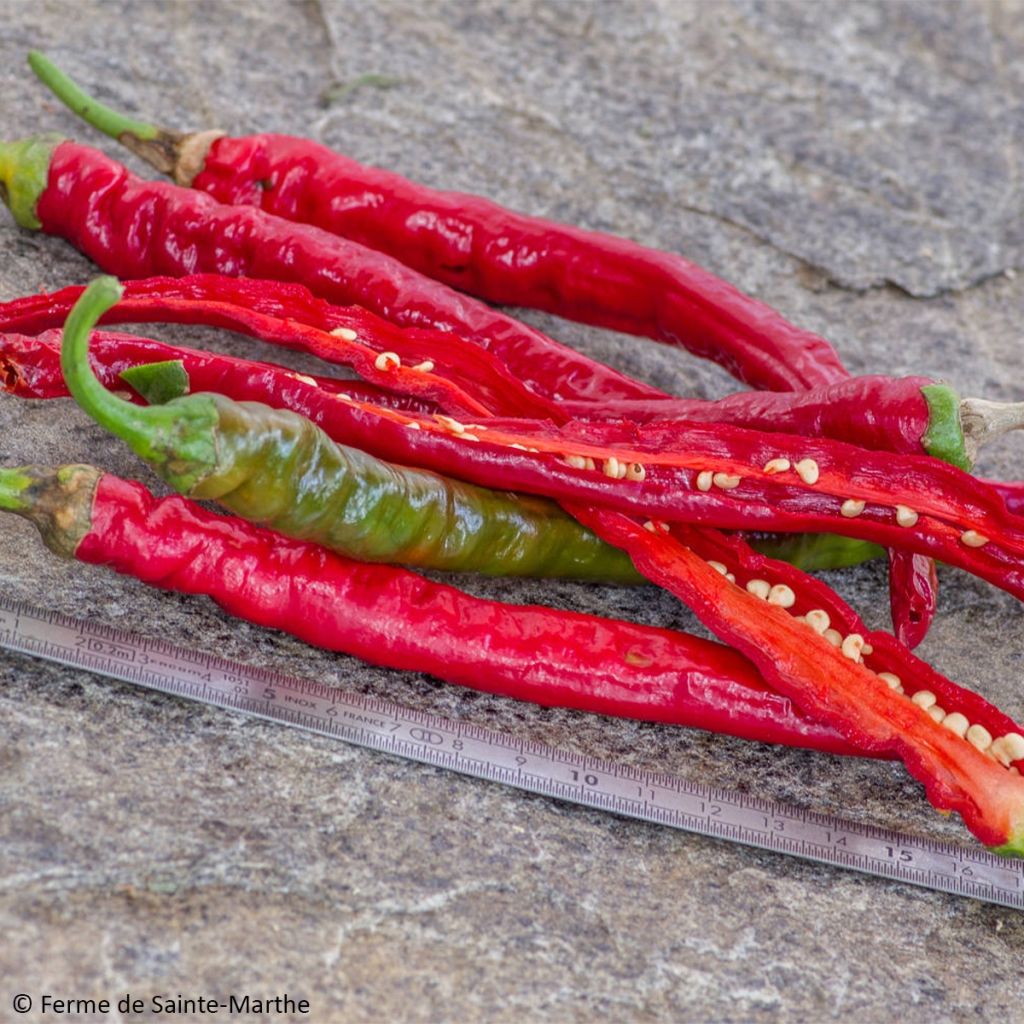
208	446
393	617
30	368
278	469
480	247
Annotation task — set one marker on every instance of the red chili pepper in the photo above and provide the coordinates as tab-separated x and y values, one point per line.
912	415
480	247
393	617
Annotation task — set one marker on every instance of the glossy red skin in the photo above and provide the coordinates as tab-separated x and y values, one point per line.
509	258
1012	493
832	688
761	502
390	616
137	228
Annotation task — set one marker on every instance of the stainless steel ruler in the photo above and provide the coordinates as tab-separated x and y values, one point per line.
534	767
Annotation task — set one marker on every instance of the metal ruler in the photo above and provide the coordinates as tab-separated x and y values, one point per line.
534	767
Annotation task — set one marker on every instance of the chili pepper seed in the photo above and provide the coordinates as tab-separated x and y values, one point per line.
705	480
345	333
973	539
807	470
852	507
906	516
387	361
726	481
776	466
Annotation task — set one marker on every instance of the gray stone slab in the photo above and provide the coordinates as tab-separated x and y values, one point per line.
806	152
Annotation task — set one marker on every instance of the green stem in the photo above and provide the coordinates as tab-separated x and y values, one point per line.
24	175
102	117
177	438
14	483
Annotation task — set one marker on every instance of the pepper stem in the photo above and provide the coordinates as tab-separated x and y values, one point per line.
178	439
179	155
58	501
983	421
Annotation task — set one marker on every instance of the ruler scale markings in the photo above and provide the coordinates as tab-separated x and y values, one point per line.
527	765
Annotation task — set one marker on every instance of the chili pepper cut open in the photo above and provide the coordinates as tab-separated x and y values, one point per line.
30	368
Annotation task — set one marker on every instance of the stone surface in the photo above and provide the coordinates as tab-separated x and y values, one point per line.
803	151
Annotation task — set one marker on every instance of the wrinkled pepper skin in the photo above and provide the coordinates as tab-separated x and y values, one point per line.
395	618
276	468
30	368
512	259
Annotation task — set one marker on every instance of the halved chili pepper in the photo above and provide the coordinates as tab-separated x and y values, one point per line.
480	247
393	617
914	415
275	468
30	368
951	748
723	476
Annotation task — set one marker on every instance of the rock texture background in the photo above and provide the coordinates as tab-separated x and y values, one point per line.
857	166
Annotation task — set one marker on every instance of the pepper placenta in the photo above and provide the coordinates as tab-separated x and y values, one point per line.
276	468
393	617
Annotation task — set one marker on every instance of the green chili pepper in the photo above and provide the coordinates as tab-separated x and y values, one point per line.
276	468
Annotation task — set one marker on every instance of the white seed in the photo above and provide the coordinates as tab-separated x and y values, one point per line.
343	397
998	751
834	637
818	620
978	736
635	471
447	421
590	463
955	722
852	646
852	507
731	577
759	588
891	680
305	380
387	361
973	539
718	567
807	470
466	436
704	480
726	481
649	526
575	461
782	596
936	713
905	516
663	526
1014	744
776	466
613	468
413	425
425	367
924	699
519	447
867	649
345	333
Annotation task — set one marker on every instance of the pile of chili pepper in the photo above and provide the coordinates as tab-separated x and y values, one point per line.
478	444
